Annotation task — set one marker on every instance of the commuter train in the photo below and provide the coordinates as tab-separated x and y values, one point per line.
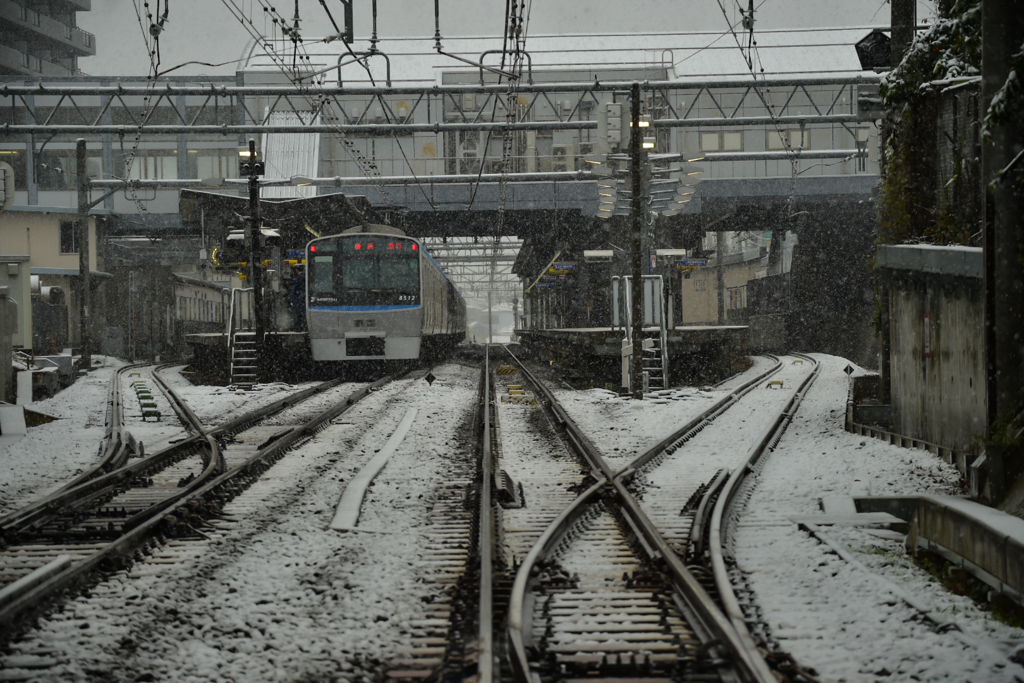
372	294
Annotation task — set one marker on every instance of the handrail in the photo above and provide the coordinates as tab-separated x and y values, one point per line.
231	327
231	309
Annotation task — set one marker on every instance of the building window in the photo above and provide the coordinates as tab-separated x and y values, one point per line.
68	237
145	167
726	141
22	12
33	17
737	297
776	140
700	285
732	141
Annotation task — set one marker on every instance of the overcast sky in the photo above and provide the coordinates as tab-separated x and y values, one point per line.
205	30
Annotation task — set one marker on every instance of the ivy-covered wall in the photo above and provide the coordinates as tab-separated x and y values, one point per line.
923	200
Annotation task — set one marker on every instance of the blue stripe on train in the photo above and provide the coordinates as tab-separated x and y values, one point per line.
361	308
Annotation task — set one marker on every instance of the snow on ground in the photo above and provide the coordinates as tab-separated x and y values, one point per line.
215	404
839	619
53	453
535	457
277	596
621	428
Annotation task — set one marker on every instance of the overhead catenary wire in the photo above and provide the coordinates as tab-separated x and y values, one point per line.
765	98
366	167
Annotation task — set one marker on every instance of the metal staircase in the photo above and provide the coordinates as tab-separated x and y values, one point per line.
243	359
242	341
655	362
654	345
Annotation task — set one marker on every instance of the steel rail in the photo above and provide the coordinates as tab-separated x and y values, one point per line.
168	90
180	406
686	432
709	621
113	443
767	442
485	662
87	491
519	618
135	539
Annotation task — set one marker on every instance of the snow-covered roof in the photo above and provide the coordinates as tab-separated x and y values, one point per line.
655	56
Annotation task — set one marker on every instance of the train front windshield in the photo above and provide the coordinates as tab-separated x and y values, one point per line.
364	270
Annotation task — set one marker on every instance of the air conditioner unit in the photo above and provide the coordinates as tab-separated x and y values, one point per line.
563	158
585	150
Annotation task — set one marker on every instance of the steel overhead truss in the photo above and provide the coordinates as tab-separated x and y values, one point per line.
469	265
165	108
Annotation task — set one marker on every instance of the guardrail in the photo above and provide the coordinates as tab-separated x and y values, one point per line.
986	542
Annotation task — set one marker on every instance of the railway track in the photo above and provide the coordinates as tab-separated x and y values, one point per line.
105	522
605	590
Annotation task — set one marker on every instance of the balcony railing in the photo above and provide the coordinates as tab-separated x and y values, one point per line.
15	59
48	27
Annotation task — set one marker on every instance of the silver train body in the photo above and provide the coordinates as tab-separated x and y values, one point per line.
375	294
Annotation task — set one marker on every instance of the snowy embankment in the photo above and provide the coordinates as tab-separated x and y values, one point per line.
51	454
274	594
843	621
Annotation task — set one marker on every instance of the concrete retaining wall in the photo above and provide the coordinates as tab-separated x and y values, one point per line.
936	343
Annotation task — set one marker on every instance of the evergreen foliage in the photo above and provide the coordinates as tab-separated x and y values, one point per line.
951	49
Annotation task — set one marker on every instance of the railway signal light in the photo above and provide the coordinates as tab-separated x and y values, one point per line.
251	168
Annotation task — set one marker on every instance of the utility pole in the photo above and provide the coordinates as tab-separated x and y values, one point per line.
256	257
636	237
85	295
903	19
720	274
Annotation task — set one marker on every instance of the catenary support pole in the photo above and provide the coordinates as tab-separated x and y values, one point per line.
256	262
903	19
85	293
720	274
636	236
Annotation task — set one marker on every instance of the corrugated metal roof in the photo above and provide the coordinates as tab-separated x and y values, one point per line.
676	56
286	155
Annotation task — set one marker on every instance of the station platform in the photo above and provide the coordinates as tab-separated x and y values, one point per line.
607	341
697	353
288	355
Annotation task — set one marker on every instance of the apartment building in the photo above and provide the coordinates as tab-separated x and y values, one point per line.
41	38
